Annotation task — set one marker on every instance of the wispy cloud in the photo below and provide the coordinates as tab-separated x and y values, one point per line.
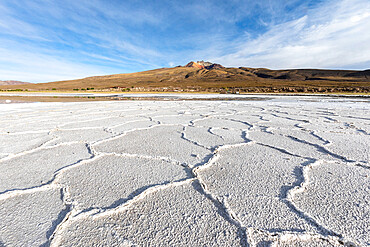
332	35
83	38
47	40
25	65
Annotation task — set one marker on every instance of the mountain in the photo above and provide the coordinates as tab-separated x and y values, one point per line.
13	82
211	77
204	65
194	65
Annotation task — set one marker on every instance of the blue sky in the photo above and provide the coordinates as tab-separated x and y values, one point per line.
49	40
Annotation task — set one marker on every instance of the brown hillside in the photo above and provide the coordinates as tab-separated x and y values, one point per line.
219	79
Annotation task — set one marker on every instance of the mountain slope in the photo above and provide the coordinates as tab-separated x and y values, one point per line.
205	76
13	82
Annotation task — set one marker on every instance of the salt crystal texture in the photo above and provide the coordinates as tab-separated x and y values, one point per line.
275	171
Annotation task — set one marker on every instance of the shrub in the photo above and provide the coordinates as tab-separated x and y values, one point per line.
12	90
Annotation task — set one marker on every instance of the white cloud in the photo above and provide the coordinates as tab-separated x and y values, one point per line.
38	67
171	64
335	35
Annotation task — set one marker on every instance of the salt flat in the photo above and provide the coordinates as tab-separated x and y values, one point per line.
278	171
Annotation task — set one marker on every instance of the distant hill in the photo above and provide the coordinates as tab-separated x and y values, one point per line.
211	77
13	83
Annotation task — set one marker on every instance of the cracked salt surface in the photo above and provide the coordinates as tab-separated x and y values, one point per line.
38	167
263	239
175	216
18	143
161	141
254	181
338	195
76	135
29	219
211	138
276	172
355	147
111	180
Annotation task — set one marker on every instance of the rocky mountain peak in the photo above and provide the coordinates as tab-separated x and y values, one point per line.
204	65
194	65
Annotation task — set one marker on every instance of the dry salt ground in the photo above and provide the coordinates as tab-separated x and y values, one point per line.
272	172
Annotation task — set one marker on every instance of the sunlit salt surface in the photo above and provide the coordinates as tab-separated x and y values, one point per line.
276	171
